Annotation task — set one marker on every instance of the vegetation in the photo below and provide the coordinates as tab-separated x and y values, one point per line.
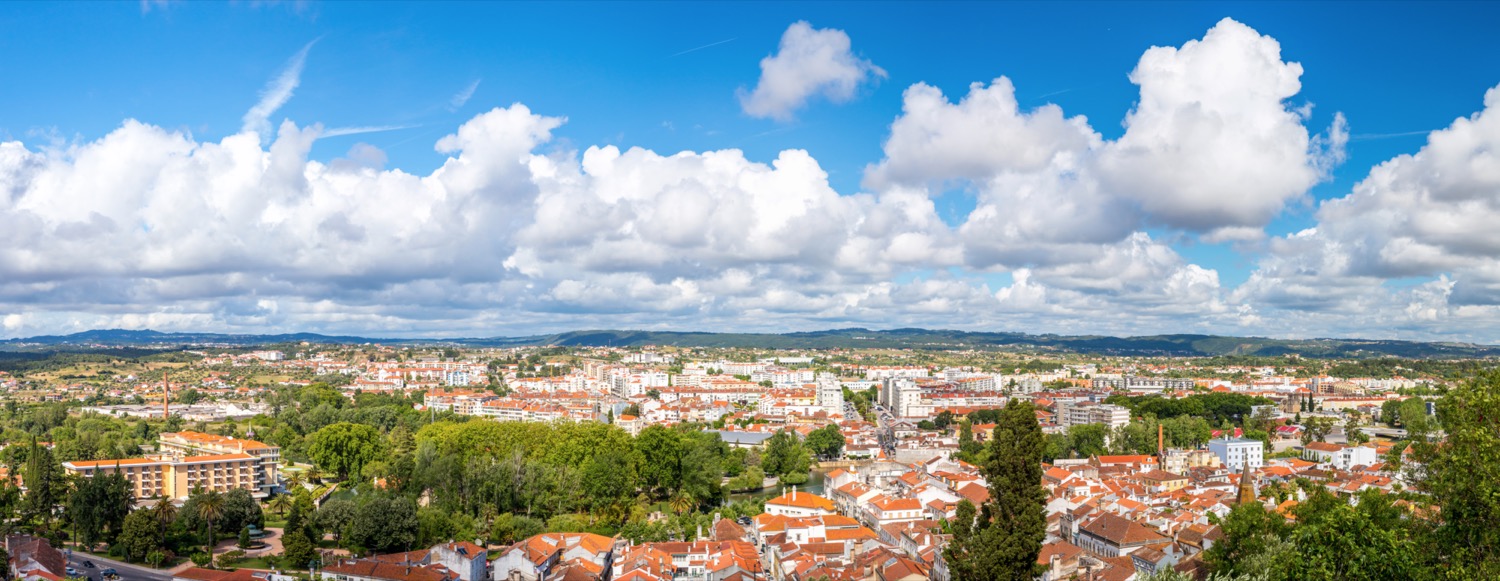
1002	540
1447	528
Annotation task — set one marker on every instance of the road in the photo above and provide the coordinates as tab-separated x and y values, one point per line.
127	572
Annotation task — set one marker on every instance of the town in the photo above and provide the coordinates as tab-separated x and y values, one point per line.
412	463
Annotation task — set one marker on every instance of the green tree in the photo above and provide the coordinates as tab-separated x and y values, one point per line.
98	507
1249	531
165	513
1316	429
280	503
384	525
140	535
241	510
1002	540
210	508
660	449
244	540
335	515
827	441
44	484
297	550
1463	476
1088	439
1334	540
344	447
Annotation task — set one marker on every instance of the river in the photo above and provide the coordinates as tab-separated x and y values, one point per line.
814	485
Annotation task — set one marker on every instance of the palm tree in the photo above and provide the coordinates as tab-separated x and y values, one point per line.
683	502
294	480
281	503
165	512
316	474
210	507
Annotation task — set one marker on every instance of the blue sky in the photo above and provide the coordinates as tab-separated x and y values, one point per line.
673	77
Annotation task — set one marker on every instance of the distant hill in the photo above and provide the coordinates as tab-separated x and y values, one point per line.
1154	345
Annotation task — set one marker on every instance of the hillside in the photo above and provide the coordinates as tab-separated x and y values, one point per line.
1154	345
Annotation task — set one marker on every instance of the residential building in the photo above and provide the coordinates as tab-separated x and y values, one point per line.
1233	453
1340	456
1114	536
1086	412
551	556
799	504
468	560
34	559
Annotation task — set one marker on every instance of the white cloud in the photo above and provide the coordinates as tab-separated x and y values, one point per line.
1425	215
1211	143
360	130
517	232
983	135
462	97
1210	147
809	62
276	93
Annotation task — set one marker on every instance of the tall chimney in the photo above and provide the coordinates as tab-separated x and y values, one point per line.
1160	441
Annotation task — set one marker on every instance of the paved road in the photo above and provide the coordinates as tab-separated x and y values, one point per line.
127	572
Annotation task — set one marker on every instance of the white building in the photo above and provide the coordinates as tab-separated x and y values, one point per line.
1086	412
830	394
901	395
1235	452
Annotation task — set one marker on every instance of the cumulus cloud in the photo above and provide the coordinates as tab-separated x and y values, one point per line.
1212	143
1211	147
1422	215
809	62
982	135
517	232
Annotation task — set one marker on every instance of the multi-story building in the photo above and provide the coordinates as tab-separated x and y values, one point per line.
830	394
268	456
1085	412
1145	384
1235	452
176	477
900	395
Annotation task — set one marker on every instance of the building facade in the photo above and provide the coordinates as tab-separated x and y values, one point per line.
1235	452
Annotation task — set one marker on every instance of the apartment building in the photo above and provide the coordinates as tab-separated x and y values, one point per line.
176	477
1085	412
268	457
1234	453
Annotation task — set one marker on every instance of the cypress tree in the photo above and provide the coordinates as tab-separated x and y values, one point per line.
1001	540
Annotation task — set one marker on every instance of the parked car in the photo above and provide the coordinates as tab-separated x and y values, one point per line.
88	564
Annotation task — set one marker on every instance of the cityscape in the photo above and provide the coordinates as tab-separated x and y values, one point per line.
721	291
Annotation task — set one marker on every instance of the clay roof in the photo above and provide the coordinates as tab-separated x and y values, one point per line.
802	500
390	571
1122	531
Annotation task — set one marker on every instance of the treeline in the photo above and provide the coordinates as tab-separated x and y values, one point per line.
1219	409
408	478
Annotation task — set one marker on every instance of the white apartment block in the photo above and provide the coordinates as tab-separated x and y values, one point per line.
1086	412
1235	452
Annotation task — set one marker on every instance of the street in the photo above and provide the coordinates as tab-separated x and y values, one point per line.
127	572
